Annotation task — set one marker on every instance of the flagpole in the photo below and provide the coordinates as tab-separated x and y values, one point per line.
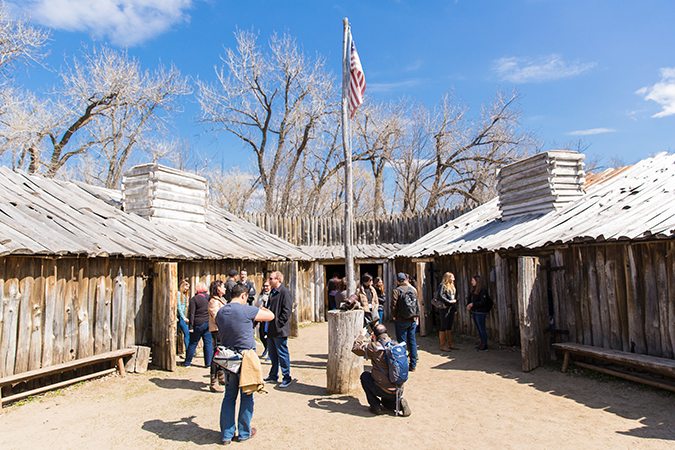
348	228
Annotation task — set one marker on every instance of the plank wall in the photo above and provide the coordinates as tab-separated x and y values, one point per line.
56	310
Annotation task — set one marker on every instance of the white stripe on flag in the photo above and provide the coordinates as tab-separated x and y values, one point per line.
357	79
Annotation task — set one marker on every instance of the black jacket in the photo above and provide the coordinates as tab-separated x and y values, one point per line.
251	291
480	301
281	304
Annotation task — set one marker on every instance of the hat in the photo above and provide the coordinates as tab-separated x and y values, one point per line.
401	277
233	273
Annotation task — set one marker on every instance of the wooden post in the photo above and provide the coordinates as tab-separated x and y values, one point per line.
344	367
532	312
425	309
501	269
348	226
165	303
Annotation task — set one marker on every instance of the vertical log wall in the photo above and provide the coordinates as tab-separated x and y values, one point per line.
56	310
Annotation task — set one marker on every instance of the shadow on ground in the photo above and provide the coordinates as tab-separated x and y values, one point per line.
177	383
183	430
344	405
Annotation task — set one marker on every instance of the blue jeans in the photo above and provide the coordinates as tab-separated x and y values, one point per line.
375	394
479	321
183	328
405	332
229	406
278	351
381	313
200	331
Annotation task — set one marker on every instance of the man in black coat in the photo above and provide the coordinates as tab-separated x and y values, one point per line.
281	304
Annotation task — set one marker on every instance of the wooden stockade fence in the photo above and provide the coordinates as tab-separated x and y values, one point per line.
306	230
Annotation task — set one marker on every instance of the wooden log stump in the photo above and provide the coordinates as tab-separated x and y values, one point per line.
344	367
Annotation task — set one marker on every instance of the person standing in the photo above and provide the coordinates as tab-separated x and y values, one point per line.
446	294
479	305
230	283
281	304
368	299
379	288
243	279
333	284
380	391
183	296
263	302
235	320
198	320
216	301
405	316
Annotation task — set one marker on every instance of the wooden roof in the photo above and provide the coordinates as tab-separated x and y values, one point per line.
635	203
41	216
361	251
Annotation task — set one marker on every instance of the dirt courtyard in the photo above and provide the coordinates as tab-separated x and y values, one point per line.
459	400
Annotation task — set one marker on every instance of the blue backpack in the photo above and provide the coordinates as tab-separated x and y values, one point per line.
397	359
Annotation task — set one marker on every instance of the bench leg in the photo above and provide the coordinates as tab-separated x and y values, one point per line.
566	362
120	367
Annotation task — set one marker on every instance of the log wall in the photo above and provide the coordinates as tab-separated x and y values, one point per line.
314	230
56	310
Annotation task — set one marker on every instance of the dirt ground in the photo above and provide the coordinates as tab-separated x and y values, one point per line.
459	400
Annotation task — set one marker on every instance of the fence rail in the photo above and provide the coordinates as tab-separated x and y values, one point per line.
303	230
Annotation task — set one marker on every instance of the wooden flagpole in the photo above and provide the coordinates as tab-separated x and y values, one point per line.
349	250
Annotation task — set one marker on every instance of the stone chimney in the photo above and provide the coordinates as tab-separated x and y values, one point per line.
541	183
165	195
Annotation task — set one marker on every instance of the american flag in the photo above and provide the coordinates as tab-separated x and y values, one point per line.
357	80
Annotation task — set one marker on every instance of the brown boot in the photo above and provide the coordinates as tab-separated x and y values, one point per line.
221	377
214	384
448	335
441	334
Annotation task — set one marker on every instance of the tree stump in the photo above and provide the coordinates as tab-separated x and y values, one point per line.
344	367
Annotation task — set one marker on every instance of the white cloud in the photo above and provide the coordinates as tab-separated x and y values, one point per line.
662	93
124	22
547	68
591	131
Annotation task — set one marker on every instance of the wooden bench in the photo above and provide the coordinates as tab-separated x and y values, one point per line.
662	366
117	355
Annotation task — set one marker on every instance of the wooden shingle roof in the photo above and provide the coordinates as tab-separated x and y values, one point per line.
636	203
41	216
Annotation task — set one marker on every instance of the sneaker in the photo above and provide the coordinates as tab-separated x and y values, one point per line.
482	348
285	383
405	409
377	412
270	380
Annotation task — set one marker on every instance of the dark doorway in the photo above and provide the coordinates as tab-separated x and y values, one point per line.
374	270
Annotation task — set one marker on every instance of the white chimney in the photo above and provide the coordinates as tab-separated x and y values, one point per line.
165	195
541	183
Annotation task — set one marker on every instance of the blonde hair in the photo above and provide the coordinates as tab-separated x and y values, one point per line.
279	276
448	282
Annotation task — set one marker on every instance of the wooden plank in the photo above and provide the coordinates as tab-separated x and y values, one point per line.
50	306
529	298
422	299
670	268
26	286
58	355
84	336
10	316
585	313
603	303
500	297
119	309
655	364
130	280
3	299
593	298
70	365
627	376
100	317
651	299
37	306
634	307
71	324
658	251
612	303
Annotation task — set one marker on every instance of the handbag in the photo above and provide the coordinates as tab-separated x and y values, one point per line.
437	303
228	358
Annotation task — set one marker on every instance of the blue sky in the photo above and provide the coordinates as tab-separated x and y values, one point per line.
603	71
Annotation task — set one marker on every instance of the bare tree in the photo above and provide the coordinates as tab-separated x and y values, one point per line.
274	102
380	129
19	40
106	103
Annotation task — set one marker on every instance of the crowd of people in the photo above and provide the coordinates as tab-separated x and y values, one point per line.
224	315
